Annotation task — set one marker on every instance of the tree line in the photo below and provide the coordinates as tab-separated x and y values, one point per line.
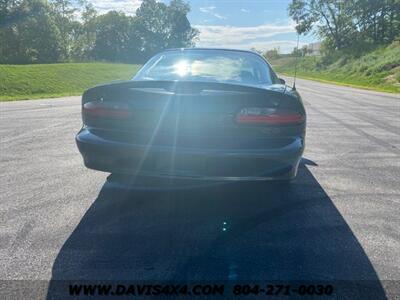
353	26
40	31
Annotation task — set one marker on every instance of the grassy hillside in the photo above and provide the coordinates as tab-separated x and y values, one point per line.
377	70
56	80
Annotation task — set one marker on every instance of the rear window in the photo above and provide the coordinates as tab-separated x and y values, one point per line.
207	65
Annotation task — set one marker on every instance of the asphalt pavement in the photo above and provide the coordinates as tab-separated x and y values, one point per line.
338	222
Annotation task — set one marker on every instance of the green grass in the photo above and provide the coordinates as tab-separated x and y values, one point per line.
19	82
378	70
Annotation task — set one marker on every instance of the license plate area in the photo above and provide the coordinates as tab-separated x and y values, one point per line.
171	163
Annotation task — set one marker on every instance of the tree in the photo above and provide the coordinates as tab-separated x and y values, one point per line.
348	24
272	54
29	33
35	31
9	13
378	21
63	14
151	23
112	37
162	26
332	18
84	39
181	34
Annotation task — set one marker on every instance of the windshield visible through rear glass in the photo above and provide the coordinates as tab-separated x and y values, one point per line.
207	65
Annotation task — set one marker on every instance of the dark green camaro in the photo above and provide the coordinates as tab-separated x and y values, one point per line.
214	114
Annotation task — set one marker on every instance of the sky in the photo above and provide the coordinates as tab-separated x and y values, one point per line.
260	24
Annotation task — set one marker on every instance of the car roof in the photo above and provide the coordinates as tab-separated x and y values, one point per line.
213	49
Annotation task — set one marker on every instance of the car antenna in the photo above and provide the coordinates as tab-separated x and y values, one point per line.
296	61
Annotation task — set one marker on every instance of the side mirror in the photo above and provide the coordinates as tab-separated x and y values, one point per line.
281	81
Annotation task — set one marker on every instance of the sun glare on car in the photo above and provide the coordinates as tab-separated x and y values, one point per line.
182	68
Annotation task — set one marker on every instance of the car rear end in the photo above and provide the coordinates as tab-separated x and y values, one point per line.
199	130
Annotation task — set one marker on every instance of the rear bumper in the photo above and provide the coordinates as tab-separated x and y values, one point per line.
208	164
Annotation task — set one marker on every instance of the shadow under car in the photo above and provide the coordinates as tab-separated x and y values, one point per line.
244	232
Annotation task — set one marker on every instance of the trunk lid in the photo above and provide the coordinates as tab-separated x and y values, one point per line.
168	109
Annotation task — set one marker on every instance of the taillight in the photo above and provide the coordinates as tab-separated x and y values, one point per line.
106	110
268	116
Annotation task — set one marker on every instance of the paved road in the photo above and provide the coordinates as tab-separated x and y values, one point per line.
340	220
